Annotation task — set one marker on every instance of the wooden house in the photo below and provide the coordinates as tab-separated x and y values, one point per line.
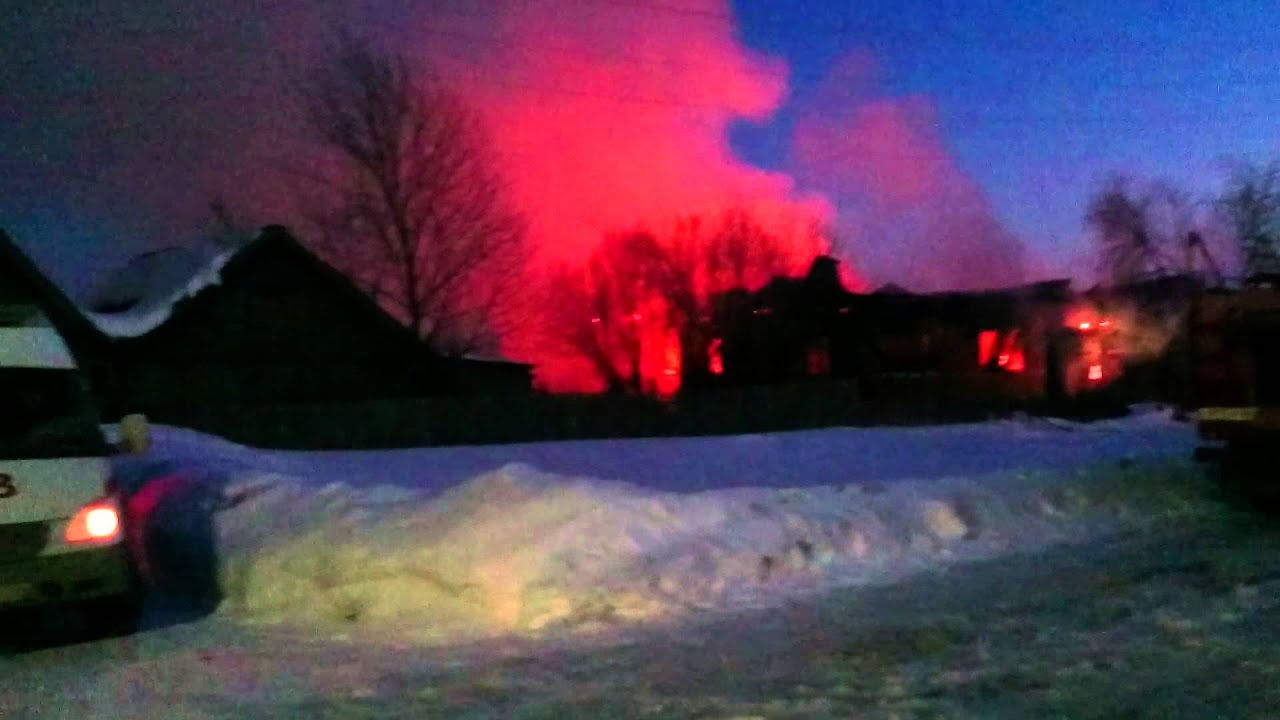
271	324
796	329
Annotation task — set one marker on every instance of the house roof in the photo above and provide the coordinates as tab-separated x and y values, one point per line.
277	239
891	289
152	289
142	295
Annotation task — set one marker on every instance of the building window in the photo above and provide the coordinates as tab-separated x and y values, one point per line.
818	360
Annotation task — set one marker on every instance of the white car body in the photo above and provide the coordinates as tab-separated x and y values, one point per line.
57	540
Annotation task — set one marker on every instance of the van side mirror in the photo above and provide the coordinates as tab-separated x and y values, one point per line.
135	434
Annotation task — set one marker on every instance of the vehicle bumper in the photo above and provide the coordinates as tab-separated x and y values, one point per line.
66	577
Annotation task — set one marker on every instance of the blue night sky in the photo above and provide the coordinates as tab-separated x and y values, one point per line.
1036	102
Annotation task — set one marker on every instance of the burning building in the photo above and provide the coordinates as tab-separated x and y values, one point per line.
1024	342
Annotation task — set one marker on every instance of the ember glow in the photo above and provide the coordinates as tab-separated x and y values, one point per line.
1005	349
987	340
715	361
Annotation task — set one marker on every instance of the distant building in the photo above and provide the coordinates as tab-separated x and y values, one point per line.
799	328
267	323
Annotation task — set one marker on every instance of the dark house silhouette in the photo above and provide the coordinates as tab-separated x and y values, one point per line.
801	328
279	327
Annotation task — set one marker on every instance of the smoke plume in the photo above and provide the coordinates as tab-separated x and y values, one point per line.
910	213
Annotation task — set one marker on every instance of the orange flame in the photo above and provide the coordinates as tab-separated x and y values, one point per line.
715	362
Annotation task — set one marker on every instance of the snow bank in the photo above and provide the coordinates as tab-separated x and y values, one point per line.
522	550
518	548
689	464
147	289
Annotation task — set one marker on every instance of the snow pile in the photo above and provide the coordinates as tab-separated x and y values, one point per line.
520	549
141	296
448	542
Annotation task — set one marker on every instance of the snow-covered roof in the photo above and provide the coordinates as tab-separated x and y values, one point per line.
141	296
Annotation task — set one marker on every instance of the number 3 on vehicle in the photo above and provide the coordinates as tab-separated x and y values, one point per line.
7	488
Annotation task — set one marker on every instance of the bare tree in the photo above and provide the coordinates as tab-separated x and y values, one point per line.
1123	229
1142	233
742	254
696	264
598	309
407	199
605	308
1251	203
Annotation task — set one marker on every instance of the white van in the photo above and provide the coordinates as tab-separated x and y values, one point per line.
61	524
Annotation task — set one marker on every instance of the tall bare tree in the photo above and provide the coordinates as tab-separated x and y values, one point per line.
697	262
1141	233
407	199
597	311
604	310
1122	227
1251	203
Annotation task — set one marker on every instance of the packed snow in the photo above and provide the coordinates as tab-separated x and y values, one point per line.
141	296
1110	581
452	543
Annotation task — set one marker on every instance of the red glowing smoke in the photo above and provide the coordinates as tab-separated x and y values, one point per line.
609	116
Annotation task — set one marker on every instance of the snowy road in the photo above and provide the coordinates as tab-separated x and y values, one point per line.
1179	623
1073	571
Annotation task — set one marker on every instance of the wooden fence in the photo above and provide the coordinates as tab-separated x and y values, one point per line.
478	420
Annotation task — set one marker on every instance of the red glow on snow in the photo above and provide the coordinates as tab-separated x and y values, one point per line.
715	361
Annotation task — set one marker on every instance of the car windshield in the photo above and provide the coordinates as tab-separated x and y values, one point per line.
47	412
